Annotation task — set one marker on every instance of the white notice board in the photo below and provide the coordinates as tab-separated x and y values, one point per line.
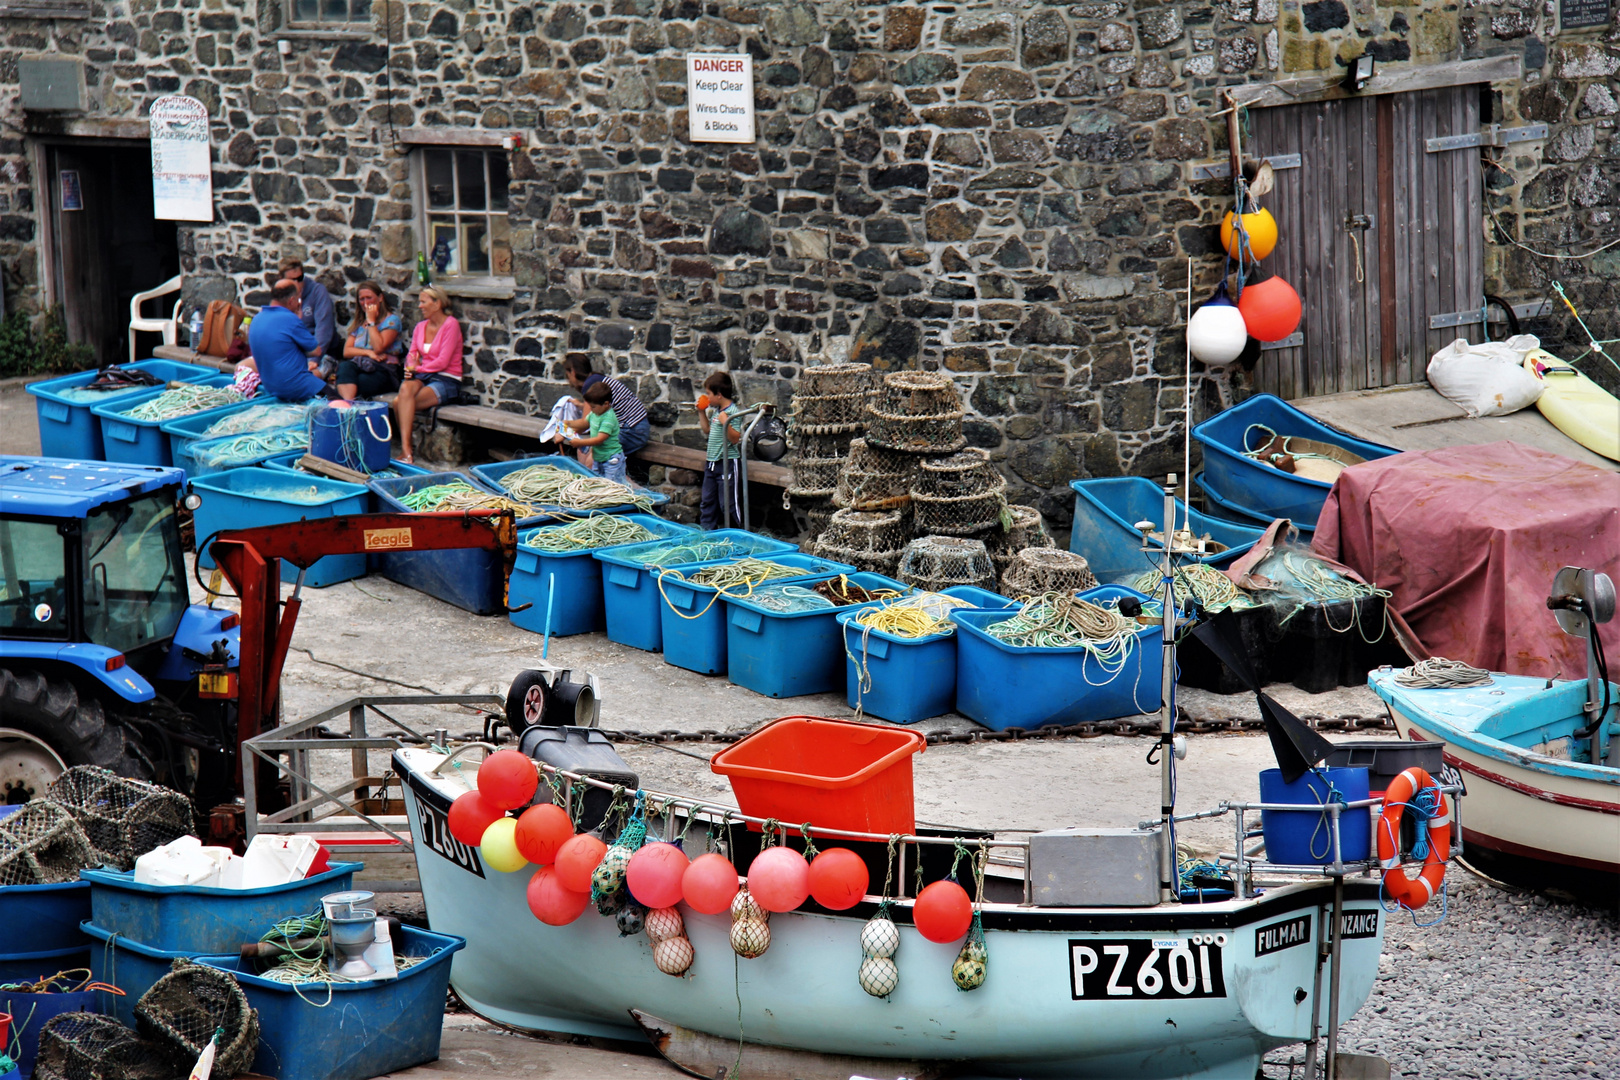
720	97
182	178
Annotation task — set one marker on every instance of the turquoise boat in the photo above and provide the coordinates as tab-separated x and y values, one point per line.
1172	991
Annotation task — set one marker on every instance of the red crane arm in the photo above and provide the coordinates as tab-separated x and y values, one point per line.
251	561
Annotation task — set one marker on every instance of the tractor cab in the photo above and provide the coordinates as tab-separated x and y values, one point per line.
104	660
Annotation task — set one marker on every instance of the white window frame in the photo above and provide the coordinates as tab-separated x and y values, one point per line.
347	28
489	148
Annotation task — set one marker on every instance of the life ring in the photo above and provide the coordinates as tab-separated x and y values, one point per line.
1412	893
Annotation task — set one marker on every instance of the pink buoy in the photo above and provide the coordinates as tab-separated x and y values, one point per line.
709	883
654	874
779	879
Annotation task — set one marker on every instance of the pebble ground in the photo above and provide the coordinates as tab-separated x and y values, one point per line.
1510	986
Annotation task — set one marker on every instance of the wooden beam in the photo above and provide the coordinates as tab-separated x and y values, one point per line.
1460	73
493	419
332	470
684	457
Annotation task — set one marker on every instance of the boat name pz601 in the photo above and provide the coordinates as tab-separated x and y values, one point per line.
1104	970
436	831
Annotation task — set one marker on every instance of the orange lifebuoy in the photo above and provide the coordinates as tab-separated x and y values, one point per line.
1412	893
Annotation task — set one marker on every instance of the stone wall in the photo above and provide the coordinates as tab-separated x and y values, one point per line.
996	189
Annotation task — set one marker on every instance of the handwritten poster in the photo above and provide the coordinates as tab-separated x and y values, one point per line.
182	179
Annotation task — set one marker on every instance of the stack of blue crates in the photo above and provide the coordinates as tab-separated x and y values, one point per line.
568	584
788	654
68	429
252	496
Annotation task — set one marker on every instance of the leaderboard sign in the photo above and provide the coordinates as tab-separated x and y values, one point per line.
720	97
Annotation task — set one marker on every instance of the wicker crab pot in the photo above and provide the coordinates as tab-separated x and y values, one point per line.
919	412
1023	528
1035	571
957	495
869	540
936	563
874	478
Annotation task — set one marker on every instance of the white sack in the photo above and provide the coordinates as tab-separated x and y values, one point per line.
1487	379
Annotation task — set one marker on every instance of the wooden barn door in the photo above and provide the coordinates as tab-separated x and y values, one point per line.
1382	236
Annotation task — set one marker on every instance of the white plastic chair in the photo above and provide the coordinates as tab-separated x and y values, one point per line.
169	328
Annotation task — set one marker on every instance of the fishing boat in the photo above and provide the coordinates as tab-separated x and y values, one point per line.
1104	987
1265	459
1541	757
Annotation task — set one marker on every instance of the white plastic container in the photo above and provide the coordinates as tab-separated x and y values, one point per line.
277	860
185	861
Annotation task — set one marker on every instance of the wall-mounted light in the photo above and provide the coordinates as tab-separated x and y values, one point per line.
1361	70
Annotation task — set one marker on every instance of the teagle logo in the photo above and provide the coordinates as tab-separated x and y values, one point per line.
387	539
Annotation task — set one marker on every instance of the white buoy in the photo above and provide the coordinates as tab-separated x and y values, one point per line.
1217	333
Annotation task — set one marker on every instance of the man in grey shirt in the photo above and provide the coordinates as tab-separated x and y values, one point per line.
317	314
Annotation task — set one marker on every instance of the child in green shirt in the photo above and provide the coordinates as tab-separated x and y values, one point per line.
723	453
607	455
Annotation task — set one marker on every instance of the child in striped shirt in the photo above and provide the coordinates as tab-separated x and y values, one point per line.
724	451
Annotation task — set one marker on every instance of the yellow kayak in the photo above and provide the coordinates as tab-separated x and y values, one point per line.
1576	405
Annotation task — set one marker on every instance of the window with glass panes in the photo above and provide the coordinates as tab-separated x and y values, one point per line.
328	12
463	201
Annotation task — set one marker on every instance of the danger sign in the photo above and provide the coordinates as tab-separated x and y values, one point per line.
720	97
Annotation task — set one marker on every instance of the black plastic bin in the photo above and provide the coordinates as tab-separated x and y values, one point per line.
1386	759
1203	670
1325	645
587	752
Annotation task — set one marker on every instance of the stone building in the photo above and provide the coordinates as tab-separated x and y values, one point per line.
1006	190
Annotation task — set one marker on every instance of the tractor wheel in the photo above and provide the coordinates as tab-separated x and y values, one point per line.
46	727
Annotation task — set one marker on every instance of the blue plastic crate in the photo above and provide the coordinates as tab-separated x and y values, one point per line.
31	1012
66	426
143	442
490	474
183	431
789	654
35	965
1104	531
193	454
630	597
1240	515
203	920
577	606
52	913
132	967
902	679
368	1029
694	618
469	578
252	496
1261	489
1003	687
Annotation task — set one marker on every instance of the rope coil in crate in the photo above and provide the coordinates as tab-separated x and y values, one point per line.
736	579
594	531
259	418
254	446
1212	589
552	485
460	495
183	400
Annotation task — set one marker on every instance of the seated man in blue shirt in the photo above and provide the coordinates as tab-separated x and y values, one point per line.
281	344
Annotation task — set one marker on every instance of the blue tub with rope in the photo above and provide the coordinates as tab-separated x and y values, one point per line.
1104	531
264	412
67	429
694	618
131	441
492	472
468	578
576	604
353	434
252	496
1261	490
906	679
630	601
208	456
358	1029
27	967
1009	686
1305	837
791	653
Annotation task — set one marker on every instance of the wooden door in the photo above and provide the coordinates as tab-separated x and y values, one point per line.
1380	236
80	228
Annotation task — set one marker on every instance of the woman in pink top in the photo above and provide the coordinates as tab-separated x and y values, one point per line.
432	366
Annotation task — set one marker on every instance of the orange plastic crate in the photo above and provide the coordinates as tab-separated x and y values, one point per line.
836	774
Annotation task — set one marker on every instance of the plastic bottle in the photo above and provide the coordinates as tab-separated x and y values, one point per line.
196	327
422	275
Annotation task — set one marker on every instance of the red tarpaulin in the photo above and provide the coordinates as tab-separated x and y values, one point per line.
1468	539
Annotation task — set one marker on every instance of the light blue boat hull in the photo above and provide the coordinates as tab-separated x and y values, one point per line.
1041	1012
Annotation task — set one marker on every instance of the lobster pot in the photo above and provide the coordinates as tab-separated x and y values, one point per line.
820	446
817	512
958	495
1027	530
873	478
814	478
918	412
829	414
869	540
824	379
1035	571
936	563
353	434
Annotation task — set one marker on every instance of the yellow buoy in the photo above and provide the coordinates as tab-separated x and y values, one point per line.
1262	230
499	847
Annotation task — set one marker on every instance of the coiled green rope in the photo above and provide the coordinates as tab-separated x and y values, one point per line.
250	447
460	495
258	418
738	578
1212	589
183	400
595	531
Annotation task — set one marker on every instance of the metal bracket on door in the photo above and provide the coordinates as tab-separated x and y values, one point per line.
1292	341
1220	170
1457	318
1489	135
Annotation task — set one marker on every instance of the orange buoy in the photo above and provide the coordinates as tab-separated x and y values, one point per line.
1259	226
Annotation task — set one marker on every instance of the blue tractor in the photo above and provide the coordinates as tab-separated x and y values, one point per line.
104	659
